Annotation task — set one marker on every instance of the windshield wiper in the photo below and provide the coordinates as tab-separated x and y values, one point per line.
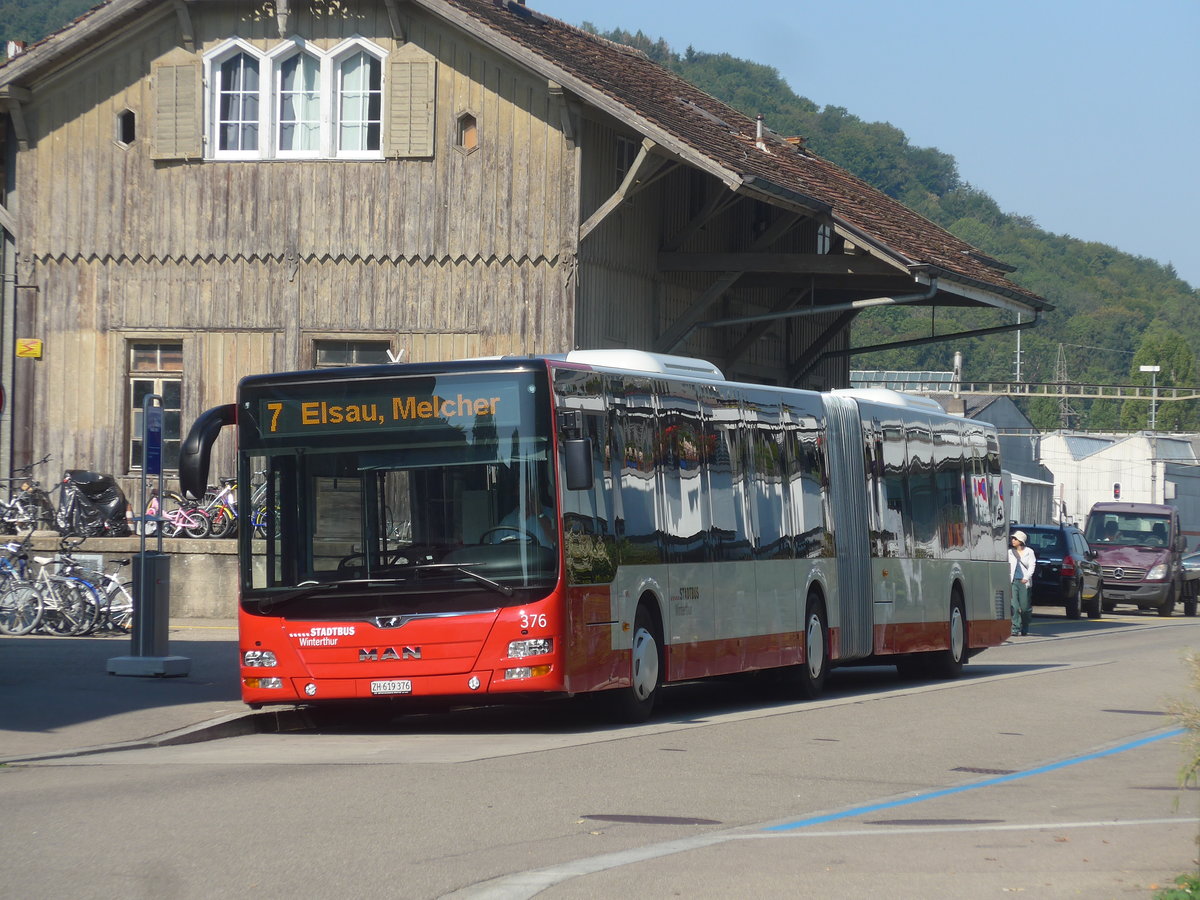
463	569
309	588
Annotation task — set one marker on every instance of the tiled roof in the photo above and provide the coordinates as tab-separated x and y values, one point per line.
728	139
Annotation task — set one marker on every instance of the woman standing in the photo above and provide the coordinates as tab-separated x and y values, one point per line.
1021	563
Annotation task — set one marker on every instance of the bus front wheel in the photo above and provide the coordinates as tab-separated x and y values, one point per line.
635	703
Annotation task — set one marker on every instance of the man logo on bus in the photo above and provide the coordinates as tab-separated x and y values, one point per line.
373	655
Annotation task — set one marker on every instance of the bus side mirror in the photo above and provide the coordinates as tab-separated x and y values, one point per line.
577	454
196	447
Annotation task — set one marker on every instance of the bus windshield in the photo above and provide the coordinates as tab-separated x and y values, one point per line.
399	495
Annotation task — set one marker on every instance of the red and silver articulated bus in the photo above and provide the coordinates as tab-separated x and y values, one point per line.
600	521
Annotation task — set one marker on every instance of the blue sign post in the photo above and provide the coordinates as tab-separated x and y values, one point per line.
151	572
152	446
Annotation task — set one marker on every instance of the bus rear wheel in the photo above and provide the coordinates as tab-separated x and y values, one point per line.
811	674
948	663
635	703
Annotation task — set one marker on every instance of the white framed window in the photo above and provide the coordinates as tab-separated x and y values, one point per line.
237	103
298	121
154	367
331	352
294	101
359	104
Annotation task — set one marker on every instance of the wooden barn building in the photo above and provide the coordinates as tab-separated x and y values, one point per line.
195	190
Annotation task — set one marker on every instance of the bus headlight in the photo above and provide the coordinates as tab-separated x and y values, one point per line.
533	647
263	658
1157	573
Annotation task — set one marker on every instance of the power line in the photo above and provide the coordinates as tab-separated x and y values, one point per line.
1104	349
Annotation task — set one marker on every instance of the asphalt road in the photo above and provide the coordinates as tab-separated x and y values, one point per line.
1050	769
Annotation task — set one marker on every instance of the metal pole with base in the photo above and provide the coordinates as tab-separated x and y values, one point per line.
151	573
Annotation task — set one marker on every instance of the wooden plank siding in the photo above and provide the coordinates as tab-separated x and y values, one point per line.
248	262
503	200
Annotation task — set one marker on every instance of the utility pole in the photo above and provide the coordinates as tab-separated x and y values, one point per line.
1066	415
1153	370
1017	379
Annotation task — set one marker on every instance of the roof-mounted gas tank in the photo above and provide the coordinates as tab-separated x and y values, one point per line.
643	361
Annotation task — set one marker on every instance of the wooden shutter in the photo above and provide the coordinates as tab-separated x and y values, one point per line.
412	89
177	117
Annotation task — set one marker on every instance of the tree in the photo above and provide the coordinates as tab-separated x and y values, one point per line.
1169	350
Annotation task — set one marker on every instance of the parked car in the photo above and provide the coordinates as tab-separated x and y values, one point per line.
1191	565
1141	556
1068	573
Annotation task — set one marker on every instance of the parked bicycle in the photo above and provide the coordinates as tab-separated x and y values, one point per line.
20	603
186	518
28	505
64	597
48	601
220	505
260	516
114	597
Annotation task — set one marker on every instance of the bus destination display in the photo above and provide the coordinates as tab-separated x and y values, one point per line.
462	407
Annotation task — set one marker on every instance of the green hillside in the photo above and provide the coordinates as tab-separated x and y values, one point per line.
1113	311
32	20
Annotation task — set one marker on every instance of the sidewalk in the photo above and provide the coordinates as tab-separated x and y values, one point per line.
56	696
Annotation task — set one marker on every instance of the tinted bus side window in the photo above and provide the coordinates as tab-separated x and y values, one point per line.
768	510
727	482
951	479
806	482
588	517
681	436
639	447
921	486
894	515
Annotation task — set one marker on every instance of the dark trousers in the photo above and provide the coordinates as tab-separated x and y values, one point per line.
1022	607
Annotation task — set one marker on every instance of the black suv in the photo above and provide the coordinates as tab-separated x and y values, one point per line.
1067	573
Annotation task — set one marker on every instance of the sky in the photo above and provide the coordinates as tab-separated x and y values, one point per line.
1082	115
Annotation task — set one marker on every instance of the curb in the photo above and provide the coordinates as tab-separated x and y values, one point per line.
275	721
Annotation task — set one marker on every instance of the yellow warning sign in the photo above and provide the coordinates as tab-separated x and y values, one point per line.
29	348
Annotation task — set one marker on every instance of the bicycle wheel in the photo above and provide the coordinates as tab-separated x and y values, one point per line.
20	609
88	606
197	525
119	606
70	606
259	521
221	522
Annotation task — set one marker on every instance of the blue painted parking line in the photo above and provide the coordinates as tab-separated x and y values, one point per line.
991	782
